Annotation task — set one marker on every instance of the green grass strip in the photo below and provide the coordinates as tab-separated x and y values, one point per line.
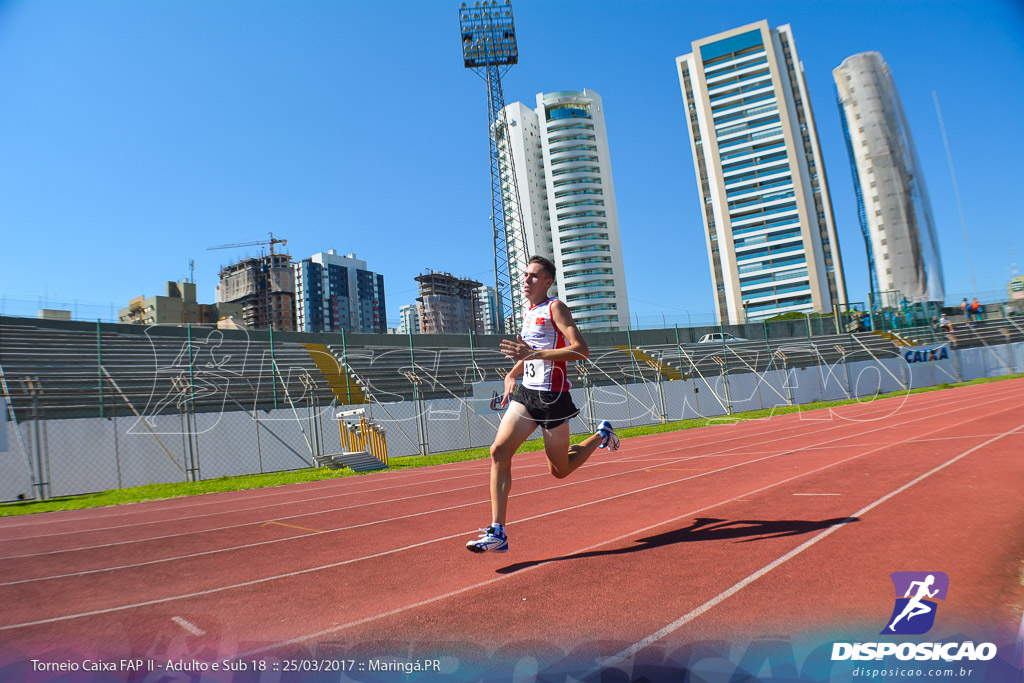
254	481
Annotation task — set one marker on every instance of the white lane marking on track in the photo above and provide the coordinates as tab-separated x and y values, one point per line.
464	465
162	505
188	626
401	517
972	405
381	521
233	511
476	465
737	587
633	533
468	465
342	509
626	459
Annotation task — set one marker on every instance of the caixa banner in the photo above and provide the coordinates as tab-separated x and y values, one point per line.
926	354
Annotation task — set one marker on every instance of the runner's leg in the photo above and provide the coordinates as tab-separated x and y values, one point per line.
516	426
564	459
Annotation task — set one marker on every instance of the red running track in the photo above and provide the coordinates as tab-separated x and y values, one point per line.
787	527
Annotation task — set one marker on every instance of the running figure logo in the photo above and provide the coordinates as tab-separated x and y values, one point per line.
914	613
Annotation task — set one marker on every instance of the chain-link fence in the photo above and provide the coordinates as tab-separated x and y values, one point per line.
89	409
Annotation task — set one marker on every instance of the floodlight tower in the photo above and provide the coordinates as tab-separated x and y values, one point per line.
489	49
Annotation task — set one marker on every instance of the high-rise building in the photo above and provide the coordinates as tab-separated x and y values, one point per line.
334	293
486	310
564	178
265	289
446	304
410	319
1015	289
892	200
767	214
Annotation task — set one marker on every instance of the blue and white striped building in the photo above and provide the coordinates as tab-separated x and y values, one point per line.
768	221
334	293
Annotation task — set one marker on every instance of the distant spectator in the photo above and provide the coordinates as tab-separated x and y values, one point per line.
945	324
976	309
965	308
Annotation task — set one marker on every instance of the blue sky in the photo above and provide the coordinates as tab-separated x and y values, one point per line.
134	135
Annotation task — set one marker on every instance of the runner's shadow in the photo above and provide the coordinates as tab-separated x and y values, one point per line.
702	529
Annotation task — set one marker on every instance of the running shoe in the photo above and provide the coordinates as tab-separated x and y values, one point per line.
489	540
610	440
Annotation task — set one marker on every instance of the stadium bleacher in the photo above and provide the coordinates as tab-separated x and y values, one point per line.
152	371
985	333
235	372
691	360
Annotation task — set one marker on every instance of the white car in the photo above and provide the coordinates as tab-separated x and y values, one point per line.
719	338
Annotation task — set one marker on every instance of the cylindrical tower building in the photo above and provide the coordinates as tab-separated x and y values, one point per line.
896	216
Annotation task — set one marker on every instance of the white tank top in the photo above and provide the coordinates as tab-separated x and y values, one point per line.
540	332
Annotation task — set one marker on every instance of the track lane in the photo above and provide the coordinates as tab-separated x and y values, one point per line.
11	527
354	522
643	446
240	632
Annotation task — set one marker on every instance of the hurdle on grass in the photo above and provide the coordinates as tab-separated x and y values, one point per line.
362	434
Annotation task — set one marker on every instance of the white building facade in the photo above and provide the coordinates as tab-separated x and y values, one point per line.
410	317
486	310
564	181
768	222
892	200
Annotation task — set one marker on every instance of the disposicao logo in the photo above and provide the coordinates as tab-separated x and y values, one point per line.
914	612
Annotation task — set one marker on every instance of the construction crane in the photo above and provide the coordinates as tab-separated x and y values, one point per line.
264	280
257	243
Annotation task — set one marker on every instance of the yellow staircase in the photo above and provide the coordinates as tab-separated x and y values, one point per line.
895	338
342	383
666	371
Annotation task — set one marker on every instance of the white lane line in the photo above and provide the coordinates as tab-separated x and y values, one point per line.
626	458
737	587
526	519
391	519
352	507
222	513
650	441
188	626
631	534
217	498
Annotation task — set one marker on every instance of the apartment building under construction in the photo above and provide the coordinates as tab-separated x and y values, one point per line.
447	304
264	287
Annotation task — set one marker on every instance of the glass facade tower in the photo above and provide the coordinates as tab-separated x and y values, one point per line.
767	214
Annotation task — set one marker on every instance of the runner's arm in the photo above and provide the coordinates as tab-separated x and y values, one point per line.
510	382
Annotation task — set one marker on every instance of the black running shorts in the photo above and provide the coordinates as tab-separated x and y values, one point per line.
548	409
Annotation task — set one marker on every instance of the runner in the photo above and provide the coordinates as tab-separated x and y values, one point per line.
549	339
915	606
